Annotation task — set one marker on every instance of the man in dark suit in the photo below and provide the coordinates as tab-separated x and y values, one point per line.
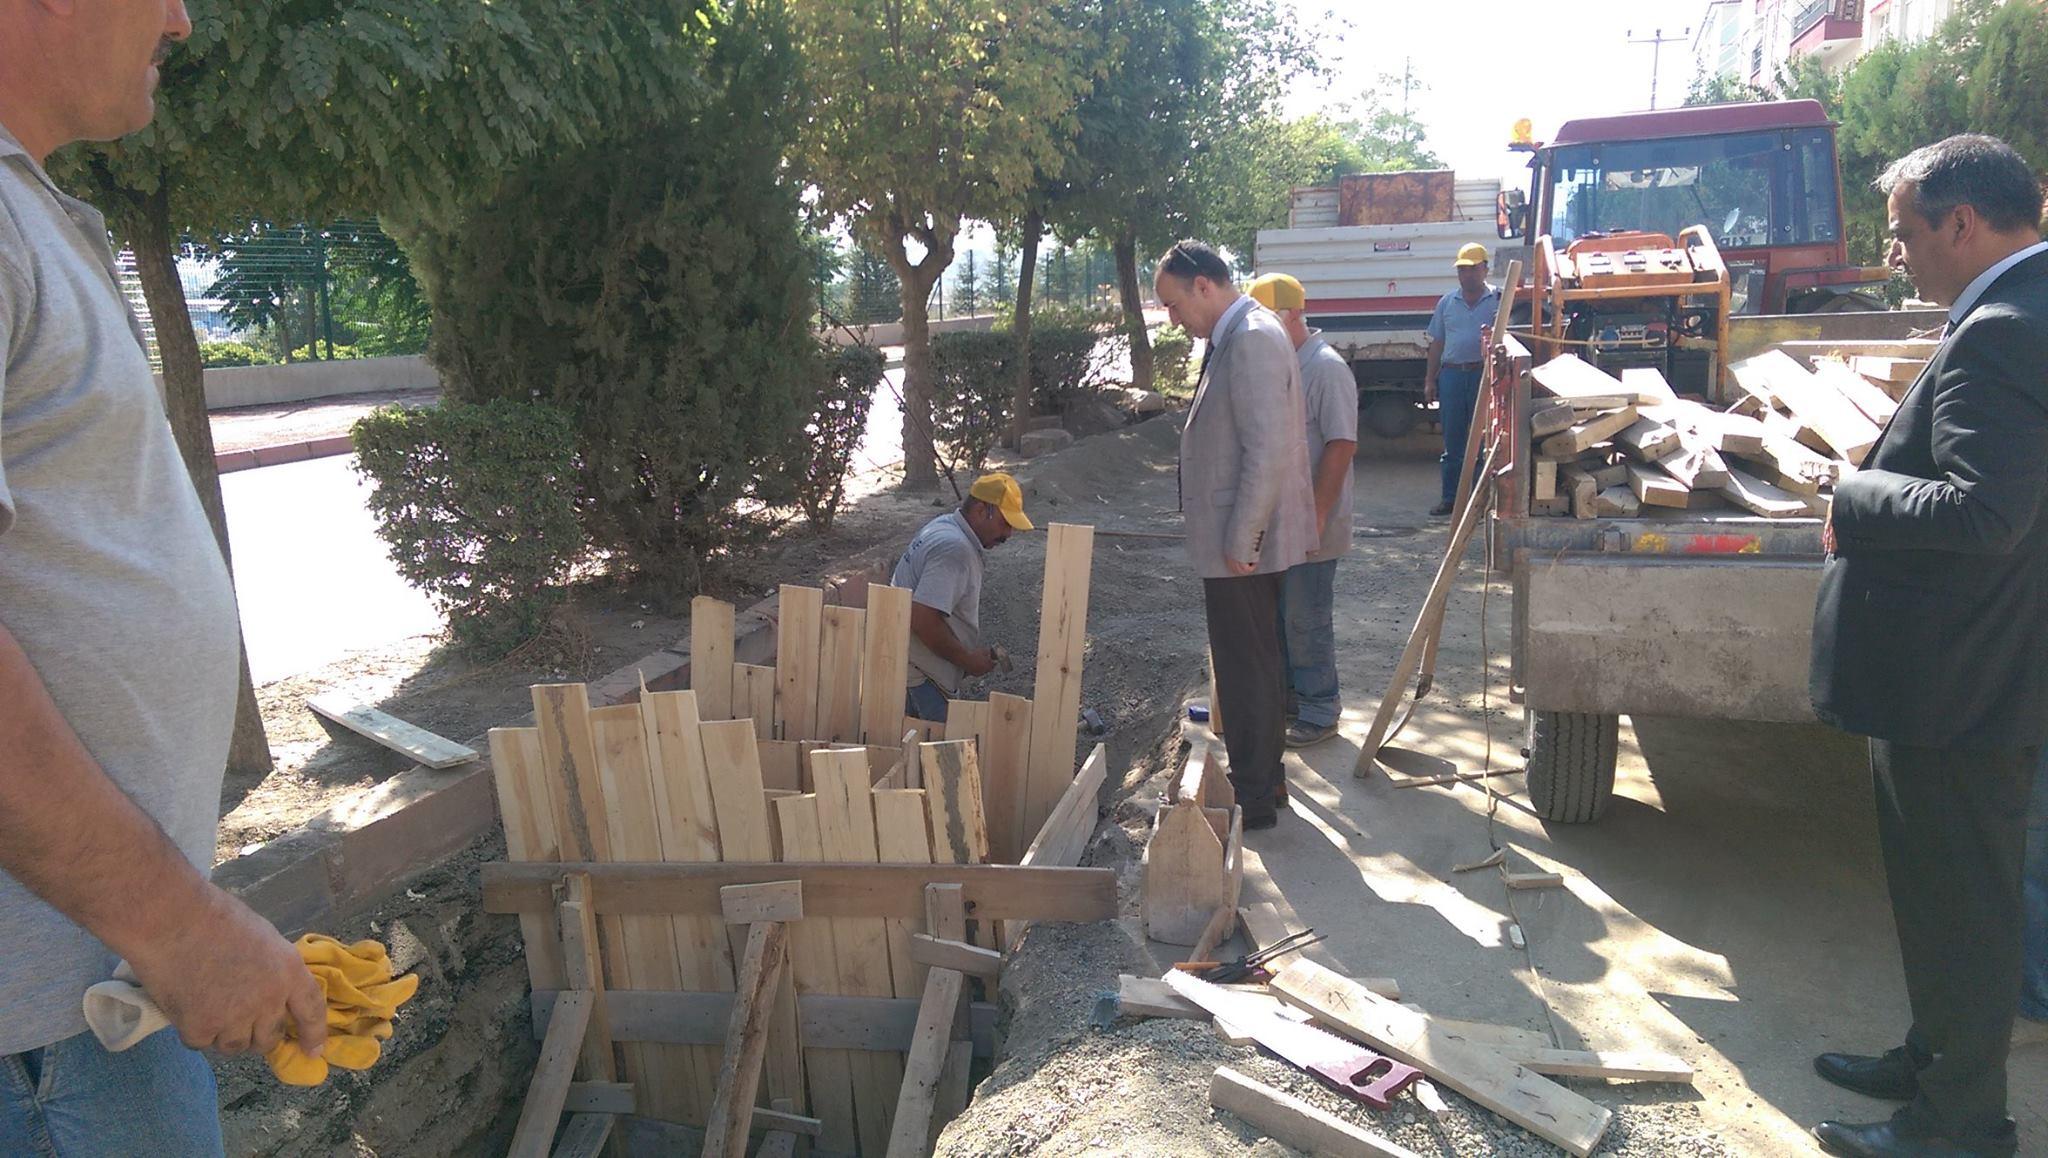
1931	638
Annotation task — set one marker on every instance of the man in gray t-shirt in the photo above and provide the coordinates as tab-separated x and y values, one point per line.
119	652
942	571
1307	594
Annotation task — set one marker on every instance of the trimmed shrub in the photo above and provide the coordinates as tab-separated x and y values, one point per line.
477	504
839	416
656	289
970	395
1061	358
1172	357
234	354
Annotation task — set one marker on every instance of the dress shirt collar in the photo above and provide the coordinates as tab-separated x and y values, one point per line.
1227	324
1984	280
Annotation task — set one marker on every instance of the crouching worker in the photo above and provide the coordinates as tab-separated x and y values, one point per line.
942	571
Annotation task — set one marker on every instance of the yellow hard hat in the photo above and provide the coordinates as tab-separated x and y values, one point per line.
1277	291
1002	492
1472	253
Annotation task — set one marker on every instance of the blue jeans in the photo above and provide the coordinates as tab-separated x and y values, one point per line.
1308	641
2034	978
74	1098
925	701
1457	395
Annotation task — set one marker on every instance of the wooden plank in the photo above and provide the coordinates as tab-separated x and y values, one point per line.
945	915
1549	416
549	1088
1617	503
1654	488
1648	381
1056	694
885	664
997	892
1732	433
1265	925
940	953
1149	996
408	740
840	657
1288	1119
672	1081
1830	415
1529	1100
1004	758
1067	831
910	1134
1754	494
1545	485
903	836
583	969
601	1098
967	719
1888	371
1875	404
768	901
711	656
585	1136
1647	439
814	966
516	769
1574	379
1183	882
1583	435
782	763
1532	880
799	628
753	697
1612	1065
952	777
846	834
562	714
746	1041
1696	467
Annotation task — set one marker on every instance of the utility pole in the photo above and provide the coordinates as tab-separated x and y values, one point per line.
1656	40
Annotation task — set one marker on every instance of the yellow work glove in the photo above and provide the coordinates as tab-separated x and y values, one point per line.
362	998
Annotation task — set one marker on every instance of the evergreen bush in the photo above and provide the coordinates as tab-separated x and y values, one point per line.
477	502
971	395
234	354
823	449
1062	356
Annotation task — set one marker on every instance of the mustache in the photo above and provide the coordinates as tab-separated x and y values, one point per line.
163	50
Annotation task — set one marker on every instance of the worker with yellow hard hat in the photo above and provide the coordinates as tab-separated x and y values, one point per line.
1456	356
1308	648
942	570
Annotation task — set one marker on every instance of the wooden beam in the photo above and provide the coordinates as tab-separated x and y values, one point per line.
1067	831
903	835
1548	417
1574	379
1655	488
1616	503
1875	404
799	630
1005	761
1286	1118
952	777
1149	996
711	656
910	1135
1581	489
885	664
1647	439
1831	416
994	891
746	1040
1612	1065
753	697
768	901
584	970
408	740
945	915
1754	494
829	1021
1583	435
1530	1101
585	1136
549	1089
601	1098
1648	381
840	657
1544	486
1056	694
516	770
846	834
941	953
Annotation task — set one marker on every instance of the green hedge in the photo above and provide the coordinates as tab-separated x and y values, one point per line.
1172	356
477	504
839	416
970	395
1061	356
233	354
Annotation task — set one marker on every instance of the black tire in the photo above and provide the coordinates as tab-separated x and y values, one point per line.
1391	416
1571	764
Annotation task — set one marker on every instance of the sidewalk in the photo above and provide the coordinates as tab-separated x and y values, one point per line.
253	436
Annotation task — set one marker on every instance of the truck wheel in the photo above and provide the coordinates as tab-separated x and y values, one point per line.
1571	764
1391	415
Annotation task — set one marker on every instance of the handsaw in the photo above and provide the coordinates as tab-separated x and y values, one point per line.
1344	1064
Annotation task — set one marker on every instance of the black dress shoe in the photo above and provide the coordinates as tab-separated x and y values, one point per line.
1891	1139
1893	1076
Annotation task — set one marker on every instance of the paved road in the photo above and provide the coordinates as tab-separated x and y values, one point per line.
315	582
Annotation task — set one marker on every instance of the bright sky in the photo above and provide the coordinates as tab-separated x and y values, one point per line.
1485	68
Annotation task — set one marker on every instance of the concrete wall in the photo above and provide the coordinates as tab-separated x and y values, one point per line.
891	333
228	386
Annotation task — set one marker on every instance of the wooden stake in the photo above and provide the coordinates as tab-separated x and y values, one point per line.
746	1040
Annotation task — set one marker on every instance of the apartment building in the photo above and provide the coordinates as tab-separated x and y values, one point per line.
1753	39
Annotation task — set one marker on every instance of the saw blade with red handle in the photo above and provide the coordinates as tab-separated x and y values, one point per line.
1344	1064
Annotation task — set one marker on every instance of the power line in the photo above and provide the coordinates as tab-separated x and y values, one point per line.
1656	40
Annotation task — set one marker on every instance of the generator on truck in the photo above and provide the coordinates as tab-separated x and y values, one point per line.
1758	180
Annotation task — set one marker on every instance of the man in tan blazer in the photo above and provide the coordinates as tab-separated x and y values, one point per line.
1248	503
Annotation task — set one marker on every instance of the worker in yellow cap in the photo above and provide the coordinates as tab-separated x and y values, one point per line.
942	571
1456	356
1308	642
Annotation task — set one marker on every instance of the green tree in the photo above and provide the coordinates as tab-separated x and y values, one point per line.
922	113
317	109
1389	136
1254	166
875	294
968	288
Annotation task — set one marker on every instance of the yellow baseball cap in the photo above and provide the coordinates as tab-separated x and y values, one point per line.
1002	492
1277	291
1473	253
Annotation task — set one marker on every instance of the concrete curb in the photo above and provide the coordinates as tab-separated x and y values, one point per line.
368	846
227	462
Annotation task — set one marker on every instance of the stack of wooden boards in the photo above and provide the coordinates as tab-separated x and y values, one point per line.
1502	1068
1607	447
839	678
630	825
